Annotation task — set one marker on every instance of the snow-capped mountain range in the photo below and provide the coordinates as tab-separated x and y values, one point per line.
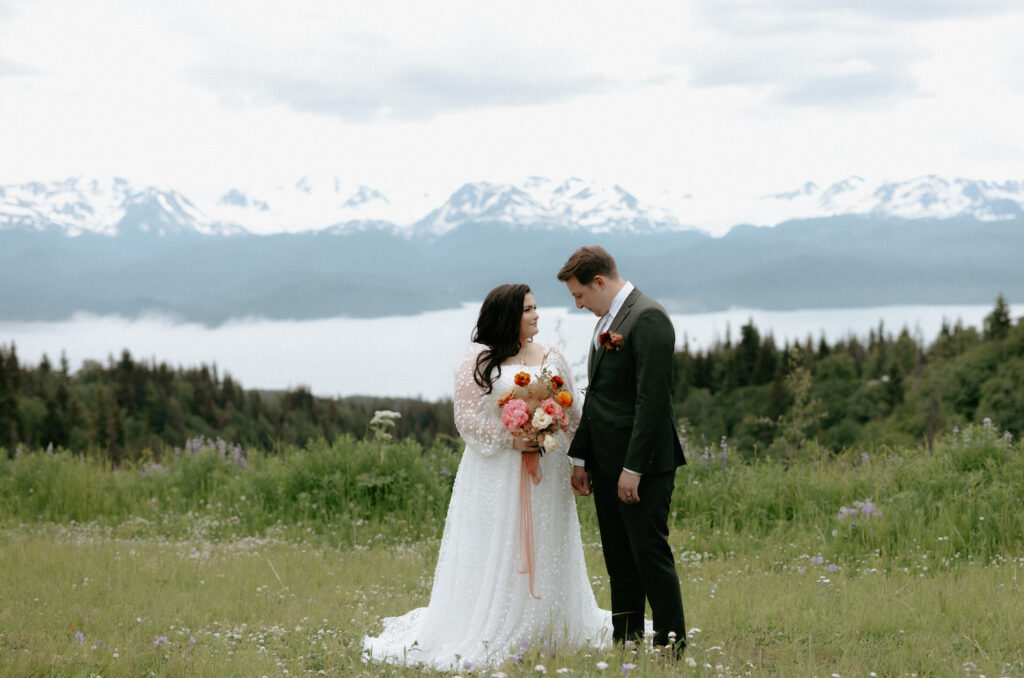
118	207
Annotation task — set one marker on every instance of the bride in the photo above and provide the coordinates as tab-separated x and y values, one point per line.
494	591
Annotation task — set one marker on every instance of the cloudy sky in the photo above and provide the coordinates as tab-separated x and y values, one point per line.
666	97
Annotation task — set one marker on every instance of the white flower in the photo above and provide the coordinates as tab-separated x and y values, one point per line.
539	668
601	666
690	661
541	419
382	416
550	442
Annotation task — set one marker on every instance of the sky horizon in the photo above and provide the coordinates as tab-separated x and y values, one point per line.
706	98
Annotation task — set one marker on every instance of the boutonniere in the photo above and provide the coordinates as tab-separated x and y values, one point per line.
612	341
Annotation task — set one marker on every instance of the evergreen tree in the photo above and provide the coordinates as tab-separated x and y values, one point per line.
101	420
997	323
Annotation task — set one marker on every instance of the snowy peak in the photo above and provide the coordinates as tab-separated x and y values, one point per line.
483	201
538	202
327	204
114	207
309	204
924	197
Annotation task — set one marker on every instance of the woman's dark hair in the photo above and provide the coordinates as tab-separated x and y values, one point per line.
498	328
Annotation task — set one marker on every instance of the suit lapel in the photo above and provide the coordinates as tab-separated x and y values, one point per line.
620	318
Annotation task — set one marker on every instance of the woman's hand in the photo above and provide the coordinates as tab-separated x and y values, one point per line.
524	445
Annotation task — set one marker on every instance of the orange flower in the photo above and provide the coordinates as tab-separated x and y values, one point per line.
522	379
564	398
505	397
557	381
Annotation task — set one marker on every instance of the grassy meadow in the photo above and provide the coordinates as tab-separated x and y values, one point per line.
216	561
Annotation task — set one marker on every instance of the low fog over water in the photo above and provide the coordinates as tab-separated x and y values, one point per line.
414	356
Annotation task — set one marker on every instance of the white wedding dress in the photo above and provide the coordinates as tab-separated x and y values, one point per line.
481	610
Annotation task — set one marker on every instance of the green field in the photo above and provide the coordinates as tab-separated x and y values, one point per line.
202	565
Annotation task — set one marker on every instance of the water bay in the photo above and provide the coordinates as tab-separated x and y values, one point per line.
414	355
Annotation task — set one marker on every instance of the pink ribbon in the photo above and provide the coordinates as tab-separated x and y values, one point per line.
530	471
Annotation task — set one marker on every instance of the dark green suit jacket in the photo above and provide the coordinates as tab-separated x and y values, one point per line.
627	414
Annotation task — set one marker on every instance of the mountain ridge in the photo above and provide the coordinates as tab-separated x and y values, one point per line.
117	207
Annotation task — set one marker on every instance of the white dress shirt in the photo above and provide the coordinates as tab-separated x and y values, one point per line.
602	325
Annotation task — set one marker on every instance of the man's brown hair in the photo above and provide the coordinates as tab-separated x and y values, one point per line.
586	262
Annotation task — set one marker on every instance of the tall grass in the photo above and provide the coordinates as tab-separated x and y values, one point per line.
216	562
962	498
401	488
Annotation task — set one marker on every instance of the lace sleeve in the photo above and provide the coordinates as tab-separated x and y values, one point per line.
560	366
476	412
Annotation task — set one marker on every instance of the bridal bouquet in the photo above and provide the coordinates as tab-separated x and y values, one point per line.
534	409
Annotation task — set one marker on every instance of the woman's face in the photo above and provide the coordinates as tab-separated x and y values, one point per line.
528	326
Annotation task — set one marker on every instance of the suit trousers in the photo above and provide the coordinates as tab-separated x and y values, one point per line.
639	560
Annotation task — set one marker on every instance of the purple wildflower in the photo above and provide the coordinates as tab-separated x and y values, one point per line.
444	471
626	668
80	637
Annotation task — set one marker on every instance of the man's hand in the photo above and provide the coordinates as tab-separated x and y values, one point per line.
580	481
629	488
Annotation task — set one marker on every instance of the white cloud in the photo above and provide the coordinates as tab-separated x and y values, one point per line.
665	98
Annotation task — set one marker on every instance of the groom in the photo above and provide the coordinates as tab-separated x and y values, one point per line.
626	448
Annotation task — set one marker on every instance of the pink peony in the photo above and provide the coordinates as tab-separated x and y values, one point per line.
550	406
515	413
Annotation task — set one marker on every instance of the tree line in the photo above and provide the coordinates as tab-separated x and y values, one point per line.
127	406
762	397
887	389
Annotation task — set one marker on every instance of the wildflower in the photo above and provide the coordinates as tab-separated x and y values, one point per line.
601	666
562	671
468	665
817	560
690	661
381	416
832	567
846	512
626	668
80	637
444	471
539	668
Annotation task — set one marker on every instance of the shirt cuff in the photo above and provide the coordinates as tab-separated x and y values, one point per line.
633	472
576	461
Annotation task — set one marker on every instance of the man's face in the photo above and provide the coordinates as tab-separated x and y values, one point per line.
591	296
